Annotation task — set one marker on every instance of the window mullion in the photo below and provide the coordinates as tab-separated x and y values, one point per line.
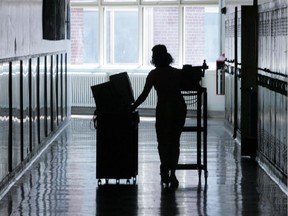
147	34
101	34
112	37
181	35
140	36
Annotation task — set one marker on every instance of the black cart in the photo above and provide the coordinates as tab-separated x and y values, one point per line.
116	130
117	146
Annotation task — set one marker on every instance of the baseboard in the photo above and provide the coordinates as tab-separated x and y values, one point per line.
144	112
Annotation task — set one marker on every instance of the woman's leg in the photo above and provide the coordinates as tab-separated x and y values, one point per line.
174	157
175	145
163	150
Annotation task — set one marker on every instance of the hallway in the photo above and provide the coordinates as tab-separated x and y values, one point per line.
62	181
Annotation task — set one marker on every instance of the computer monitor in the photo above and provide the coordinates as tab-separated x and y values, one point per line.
123	88
105	98
115	95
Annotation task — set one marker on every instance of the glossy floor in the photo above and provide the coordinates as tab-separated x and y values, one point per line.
62	181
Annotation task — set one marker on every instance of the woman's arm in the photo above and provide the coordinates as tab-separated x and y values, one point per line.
147	88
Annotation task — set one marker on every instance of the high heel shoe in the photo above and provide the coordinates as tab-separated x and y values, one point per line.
164	173
174	183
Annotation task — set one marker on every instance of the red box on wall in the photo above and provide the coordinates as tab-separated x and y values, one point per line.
220	75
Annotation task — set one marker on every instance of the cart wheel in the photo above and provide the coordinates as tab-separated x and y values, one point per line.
107	181
99	182
117	181
128	181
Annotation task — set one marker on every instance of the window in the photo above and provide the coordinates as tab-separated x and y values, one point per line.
121	36
201	35
121	33
212	34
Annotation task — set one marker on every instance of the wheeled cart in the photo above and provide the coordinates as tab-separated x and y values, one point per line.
193	91
117	146
201	129
116	130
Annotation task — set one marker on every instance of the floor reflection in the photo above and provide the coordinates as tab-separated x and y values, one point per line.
63	181
168	202
202	199
112	199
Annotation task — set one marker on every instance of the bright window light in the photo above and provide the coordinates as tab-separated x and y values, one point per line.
124	34
121	36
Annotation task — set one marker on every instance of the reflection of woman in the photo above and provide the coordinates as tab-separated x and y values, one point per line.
170	111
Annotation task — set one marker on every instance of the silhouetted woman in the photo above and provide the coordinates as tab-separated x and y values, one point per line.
170	111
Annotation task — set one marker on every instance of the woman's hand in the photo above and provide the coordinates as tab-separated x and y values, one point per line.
132	107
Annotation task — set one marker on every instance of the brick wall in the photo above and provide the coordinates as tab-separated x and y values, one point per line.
77	30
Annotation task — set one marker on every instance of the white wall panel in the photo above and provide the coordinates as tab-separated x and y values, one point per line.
21	29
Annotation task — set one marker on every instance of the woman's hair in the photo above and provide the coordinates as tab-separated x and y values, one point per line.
160	56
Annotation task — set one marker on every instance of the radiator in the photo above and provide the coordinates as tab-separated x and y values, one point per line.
137	82
82	95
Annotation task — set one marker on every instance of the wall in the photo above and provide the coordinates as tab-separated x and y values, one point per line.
81	95
21	29
214	102
33	86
